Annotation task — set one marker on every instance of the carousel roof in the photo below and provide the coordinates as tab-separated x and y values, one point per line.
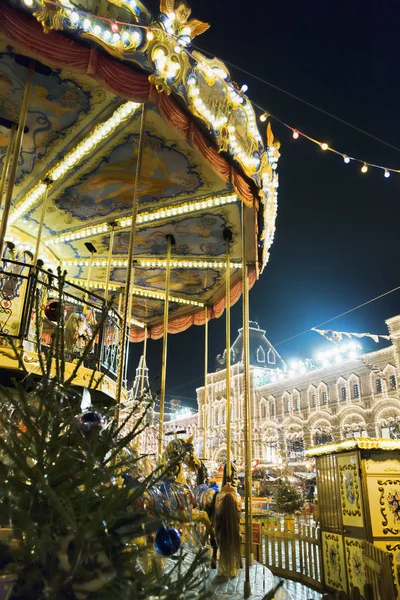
204	160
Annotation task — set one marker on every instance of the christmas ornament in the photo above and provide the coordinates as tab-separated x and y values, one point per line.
90	421
53	310
168	541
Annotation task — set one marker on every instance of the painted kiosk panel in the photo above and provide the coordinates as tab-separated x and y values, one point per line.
358	484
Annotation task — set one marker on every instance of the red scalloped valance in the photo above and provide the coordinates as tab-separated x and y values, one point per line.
198	318
57	50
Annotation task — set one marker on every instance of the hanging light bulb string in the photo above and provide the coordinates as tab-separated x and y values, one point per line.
296	133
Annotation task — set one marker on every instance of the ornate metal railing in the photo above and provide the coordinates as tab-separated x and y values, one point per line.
29	306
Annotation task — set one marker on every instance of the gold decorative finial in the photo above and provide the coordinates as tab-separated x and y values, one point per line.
179	13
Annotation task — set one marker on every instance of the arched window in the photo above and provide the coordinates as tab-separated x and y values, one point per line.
295	450
271	357
296	401
378	386
322	437
343	392
313	400
289	404
217	417
264	410
273	408
356	390
392	381
324	398
260	354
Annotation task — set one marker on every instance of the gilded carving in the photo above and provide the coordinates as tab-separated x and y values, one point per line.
50	16
177	14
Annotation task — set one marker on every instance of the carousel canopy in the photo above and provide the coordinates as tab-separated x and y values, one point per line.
203	161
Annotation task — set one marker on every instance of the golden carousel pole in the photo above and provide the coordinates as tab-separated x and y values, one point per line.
7	161
144	362
247	413
40	228
16	154
128	290
205	382
110	253
86	297
228	238
171	242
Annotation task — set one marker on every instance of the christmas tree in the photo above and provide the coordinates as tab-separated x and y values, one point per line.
288	498
76	531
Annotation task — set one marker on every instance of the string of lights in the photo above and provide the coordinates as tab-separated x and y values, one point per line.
114	35
347	312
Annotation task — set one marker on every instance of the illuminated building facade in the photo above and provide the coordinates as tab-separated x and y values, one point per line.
343	394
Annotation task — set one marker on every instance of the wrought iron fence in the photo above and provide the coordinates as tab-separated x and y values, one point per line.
30	305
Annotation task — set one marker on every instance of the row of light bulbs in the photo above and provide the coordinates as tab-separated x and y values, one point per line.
155	263
70	160
148	217
161	296
296	133
136	291
100	285
100	133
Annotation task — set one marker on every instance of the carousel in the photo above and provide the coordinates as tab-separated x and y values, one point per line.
134	172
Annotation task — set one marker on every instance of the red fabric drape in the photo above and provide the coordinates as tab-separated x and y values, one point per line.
198	318
54	49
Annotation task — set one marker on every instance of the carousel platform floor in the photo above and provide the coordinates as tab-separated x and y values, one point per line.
262	581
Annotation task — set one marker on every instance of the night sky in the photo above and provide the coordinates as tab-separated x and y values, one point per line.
336	243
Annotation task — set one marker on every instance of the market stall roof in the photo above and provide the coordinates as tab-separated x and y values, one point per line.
203	159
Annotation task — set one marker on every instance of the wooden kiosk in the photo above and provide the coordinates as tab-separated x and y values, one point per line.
358	483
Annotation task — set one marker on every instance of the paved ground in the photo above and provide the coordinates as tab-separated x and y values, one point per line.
261	581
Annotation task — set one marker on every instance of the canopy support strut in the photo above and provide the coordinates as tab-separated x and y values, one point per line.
246	411
16	154
228	238
171	242
205	382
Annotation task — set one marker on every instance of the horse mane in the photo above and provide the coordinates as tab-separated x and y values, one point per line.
228	533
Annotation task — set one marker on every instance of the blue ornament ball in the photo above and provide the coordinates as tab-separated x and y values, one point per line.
168	541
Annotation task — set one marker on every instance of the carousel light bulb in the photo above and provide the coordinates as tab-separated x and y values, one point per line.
364	168
150	35
114	27
244	88
97	29
295	134
86	24
386	173
324	146
177	49
346	159
263	118
107	34
74	16
116	37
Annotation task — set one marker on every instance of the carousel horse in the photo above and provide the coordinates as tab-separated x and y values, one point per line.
205	495
172	497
